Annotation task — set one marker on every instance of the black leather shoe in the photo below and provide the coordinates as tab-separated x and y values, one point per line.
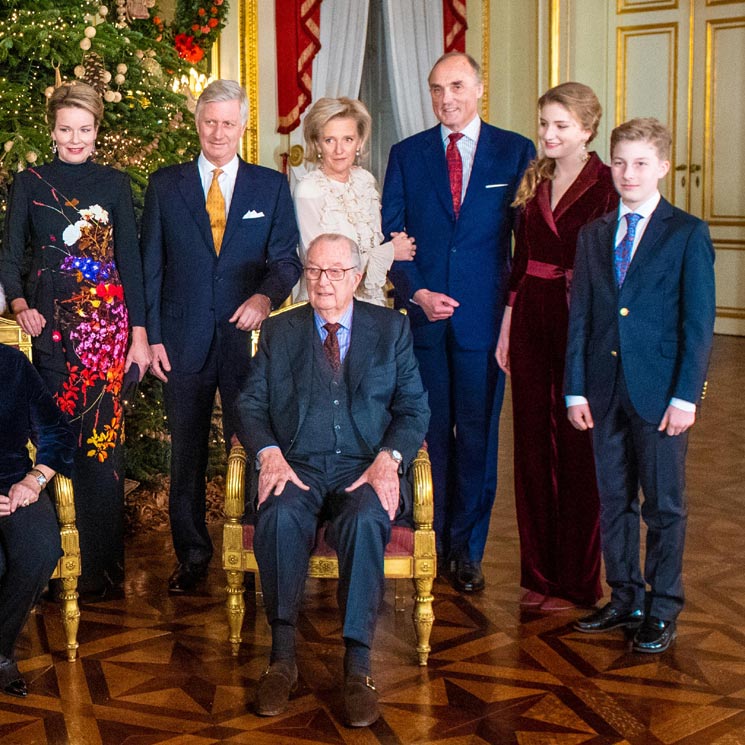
468	577
16	688
360	701
609	617
654	635
186	577
445	566
276	684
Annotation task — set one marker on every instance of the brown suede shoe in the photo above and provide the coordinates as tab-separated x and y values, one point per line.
360	701
276	684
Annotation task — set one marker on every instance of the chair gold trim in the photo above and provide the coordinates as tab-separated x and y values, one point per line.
420	566
68	567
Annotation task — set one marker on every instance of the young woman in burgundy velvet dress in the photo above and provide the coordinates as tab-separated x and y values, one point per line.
555	490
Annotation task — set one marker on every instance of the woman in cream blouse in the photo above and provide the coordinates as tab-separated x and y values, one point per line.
338	196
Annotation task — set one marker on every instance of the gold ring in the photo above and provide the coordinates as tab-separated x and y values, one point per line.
25	502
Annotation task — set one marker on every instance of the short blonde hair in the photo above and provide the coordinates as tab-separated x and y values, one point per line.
74	95
326	109
647	129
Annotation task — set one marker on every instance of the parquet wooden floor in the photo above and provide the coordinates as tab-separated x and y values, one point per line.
156	669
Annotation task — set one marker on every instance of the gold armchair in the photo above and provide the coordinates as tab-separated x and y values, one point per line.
410	554
68	567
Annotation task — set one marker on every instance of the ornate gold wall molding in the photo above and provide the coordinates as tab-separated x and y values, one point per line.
485	53
248	22
554	42
640	6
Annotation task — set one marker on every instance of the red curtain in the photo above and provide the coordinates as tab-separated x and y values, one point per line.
454	22
298	25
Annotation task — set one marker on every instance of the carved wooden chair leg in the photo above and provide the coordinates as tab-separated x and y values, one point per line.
423	617
70	611
235	606
400	602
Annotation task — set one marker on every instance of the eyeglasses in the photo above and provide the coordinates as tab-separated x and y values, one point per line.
334	273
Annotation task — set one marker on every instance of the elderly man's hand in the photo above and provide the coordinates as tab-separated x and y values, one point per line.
21	494
382	475
274	474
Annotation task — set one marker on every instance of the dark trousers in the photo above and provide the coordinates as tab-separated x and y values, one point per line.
629	453
189	400
465	390
359	529
29	551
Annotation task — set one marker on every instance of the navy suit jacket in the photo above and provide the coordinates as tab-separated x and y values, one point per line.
658	325
387	400
468	258
190	291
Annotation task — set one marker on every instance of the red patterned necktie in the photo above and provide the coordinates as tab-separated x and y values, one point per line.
455	169
331	346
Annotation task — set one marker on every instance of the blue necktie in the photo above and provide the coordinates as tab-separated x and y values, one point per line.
622	253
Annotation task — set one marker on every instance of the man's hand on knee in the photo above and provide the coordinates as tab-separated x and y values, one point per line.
382	475
274	473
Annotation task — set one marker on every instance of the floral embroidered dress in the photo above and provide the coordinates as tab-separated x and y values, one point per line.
323	205
70	249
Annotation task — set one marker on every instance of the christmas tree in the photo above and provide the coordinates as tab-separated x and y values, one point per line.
134	58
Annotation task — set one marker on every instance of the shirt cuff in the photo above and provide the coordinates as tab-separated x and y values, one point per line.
575	400
679	403
257	463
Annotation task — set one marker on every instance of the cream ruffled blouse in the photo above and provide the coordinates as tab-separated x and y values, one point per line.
323	205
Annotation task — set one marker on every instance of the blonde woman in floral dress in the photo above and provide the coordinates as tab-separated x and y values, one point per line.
338	196
71	268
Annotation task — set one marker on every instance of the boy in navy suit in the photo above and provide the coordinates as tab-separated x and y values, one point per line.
641	322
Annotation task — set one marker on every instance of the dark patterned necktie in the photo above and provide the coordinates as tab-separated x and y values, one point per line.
331	346
455	169
622	254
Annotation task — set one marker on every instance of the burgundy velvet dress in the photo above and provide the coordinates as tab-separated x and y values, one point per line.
555	489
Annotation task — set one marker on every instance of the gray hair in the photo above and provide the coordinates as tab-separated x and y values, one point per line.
2	300
475	66
224	90
354	249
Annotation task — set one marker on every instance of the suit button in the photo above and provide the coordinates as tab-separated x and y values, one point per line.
336	402
337	451
624	311
614	353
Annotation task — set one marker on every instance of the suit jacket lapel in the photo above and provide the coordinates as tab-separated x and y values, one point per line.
190	187
651	237
482	166
608	240
242	196
434	156
364	340
299	346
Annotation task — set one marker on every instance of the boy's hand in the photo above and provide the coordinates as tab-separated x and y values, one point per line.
676	421
580	417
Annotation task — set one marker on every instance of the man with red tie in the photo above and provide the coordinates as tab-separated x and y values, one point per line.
451	188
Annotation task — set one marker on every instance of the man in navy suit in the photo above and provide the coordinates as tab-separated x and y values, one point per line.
219	245
641	322
335	412
451	188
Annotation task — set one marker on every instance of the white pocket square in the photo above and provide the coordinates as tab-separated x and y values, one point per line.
495	186
252	215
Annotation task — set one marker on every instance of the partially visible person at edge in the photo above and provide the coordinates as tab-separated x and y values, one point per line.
451	189
555	491
338	196
29	533
70	263
219	247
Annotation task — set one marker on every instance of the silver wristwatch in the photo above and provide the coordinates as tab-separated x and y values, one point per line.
395	454
41	479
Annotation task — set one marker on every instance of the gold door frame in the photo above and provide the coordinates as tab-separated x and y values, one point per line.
248	24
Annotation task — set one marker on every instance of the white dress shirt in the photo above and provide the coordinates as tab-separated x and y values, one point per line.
466	147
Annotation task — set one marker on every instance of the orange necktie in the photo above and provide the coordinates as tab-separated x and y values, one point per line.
216	210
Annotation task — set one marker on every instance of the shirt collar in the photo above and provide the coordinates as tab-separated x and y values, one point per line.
345	321
230	169
645	209
471	130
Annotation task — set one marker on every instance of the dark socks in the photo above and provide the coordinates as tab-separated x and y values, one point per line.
283	642
356	658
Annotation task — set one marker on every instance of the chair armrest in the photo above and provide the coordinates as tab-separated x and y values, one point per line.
424	507
235	484
64	501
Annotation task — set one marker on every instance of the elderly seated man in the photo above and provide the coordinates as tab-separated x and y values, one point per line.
335	411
